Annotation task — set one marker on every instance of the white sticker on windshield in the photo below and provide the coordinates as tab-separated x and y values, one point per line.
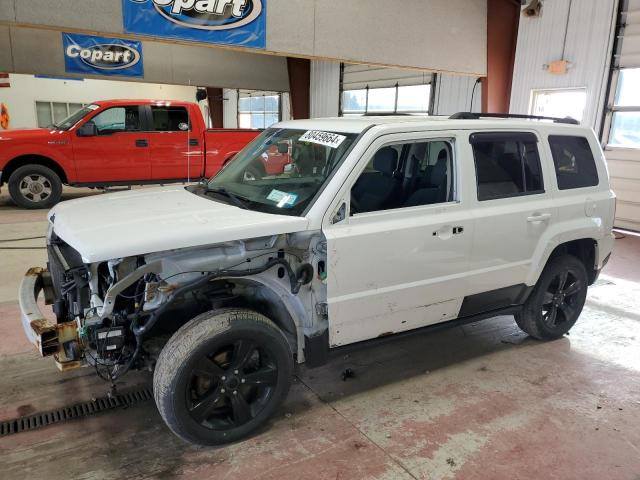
327	139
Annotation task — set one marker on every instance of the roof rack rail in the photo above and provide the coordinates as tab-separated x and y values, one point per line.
478	116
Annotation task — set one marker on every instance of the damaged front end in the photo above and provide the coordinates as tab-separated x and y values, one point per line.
116	315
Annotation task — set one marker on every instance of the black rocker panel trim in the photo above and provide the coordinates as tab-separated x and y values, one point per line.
494	300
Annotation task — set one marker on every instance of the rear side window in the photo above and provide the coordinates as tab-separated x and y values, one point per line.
170	119
507	164
574	162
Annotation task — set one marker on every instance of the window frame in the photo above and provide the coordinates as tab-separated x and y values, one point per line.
375	147
50	104
264	113
395	111
536	91
144	119
612	108
555	168
149	125
515	135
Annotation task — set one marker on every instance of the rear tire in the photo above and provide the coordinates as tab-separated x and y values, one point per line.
35	186
557	299
222	375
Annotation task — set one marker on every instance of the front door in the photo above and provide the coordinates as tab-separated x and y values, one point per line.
176	150
398	260
118	152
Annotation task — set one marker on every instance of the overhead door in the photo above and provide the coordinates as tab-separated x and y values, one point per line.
622	128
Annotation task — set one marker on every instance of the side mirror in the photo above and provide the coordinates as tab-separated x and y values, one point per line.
89	129
283	147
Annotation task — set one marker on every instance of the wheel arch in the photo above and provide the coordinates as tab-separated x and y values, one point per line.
584	249
32	159
274	302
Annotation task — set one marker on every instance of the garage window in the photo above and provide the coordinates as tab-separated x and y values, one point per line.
562	102
49	113
574	162
507	165
625	121
398	99
257	109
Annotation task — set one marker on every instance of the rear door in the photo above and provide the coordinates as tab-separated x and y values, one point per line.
119	152
399	260
513	211
175	144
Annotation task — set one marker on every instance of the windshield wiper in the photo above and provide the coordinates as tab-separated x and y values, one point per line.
231	196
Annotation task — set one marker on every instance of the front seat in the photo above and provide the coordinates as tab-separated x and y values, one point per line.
378	190
436	192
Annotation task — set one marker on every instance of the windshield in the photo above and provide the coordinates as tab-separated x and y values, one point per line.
281	171
74	118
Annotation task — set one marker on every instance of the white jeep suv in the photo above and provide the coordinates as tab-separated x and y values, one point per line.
377	225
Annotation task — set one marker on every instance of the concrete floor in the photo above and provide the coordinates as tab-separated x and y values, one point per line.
475	402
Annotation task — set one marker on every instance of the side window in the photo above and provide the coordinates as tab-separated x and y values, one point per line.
574	162
507	164
170	119
117	119
405	175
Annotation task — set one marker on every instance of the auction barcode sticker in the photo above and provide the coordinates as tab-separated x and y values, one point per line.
327	139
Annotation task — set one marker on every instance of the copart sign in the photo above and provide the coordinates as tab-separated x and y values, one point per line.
102	56
229	22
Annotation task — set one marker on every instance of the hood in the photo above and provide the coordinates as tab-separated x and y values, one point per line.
137	222
28	134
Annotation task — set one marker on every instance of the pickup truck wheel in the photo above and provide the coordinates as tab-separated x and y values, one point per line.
557	299
35	186
222	375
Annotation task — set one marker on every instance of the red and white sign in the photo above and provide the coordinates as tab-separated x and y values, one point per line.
4	80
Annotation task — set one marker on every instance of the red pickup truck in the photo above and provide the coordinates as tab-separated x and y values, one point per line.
119	142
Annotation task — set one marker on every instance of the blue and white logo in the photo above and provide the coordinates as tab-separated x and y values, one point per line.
102	56
231	22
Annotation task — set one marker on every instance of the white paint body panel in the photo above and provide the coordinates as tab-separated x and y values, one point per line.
387	271
158	219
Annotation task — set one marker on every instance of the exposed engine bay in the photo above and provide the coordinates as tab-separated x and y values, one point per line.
126	309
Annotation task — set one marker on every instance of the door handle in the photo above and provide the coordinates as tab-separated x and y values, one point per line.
142	143
539	217
193	142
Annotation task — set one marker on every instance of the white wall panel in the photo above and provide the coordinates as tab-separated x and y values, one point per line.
230	108
452	94
439	35
588	48
325	88
25	90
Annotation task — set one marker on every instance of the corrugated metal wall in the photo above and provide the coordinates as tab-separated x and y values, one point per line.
325	88
588	48
453	94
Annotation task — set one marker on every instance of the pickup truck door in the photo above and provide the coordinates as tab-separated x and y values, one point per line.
175	143
396	269
118	152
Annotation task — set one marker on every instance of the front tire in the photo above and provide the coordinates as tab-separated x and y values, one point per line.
557	299
222	375
35	186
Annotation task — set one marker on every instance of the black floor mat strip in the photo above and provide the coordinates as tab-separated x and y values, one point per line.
72	412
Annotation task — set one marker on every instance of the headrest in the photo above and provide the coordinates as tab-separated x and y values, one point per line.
439	171
386	160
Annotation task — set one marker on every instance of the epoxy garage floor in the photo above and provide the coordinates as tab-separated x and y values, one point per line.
475	402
